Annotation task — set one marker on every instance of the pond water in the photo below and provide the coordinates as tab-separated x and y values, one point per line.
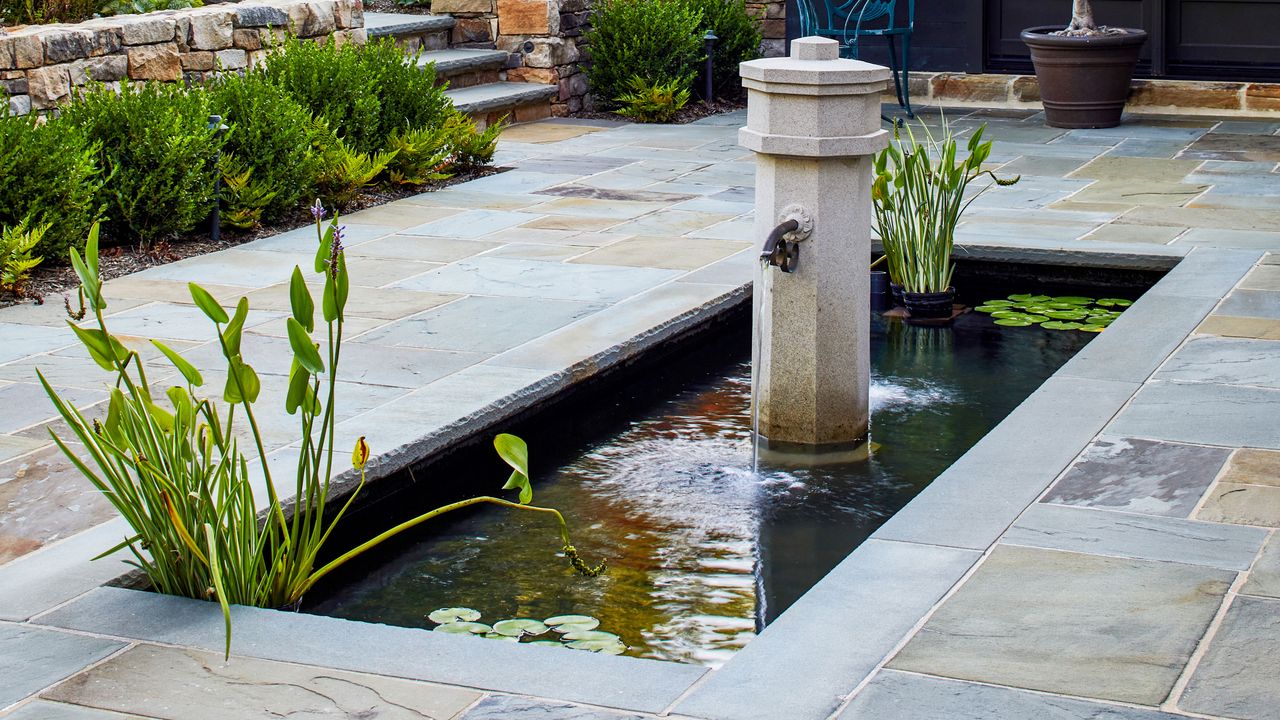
703	552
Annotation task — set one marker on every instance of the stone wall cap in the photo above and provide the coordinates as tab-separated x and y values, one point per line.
793	71
816	147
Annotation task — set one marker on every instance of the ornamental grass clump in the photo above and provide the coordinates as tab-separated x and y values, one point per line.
171	463
919	195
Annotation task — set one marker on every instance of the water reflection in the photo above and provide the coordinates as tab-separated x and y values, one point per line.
702	551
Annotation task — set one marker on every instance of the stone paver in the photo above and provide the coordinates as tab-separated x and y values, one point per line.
1140	476
1237	677
32	658
605	237
903	696
1080	625
184	684
509	707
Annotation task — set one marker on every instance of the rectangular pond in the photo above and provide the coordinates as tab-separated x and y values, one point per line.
655	474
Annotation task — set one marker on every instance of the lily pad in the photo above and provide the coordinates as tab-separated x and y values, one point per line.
1115	302
1006	313
1033	319
1059	325
1099	320
464	628
1013	322
589	635
990	308
590	624
1092	328
519	626
454	614
1030	298
573	620
999	303
606	647
500	636
1074	300
1067	314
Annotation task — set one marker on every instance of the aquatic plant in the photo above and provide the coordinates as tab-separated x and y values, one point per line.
578	632
918	194
1069	312
175	472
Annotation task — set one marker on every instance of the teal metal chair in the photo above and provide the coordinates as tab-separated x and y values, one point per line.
848	21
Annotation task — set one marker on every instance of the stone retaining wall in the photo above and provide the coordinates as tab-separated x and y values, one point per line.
1245	99
42	65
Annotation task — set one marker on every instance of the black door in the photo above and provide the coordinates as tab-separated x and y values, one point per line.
1189	39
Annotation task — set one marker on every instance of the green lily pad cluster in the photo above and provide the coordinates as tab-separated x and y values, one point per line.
1065	312
578	632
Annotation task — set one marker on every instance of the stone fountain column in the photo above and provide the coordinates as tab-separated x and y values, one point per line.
813	120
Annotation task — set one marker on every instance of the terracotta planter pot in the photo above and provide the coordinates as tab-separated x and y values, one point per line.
1084	81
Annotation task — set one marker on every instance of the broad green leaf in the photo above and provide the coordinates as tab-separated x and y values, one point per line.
464	628
326	243
589	635
329	303
606	647
98	344
303	349
581	620
519	626
1013	322
243	385
231	336
92	285
299	382
304	308
189	371
515	452
183	406
207	304
453	614
162	417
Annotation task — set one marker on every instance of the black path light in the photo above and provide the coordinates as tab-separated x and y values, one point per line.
218	129
709	44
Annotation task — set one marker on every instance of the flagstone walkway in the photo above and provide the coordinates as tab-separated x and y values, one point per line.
1144	585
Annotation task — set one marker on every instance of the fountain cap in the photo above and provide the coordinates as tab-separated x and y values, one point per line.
815	48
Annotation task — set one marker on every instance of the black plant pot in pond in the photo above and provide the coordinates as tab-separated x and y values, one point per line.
930	305
896	291
879	284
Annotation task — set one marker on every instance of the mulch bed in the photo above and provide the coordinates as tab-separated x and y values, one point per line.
119	260
695	110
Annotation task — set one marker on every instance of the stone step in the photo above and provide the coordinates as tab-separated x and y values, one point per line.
465	67
523	102
410	31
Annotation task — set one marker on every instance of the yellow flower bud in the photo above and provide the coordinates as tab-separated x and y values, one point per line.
360	455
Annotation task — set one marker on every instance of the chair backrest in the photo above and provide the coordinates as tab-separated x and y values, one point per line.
849	17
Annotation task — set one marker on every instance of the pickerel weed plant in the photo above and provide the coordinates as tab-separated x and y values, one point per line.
171	465
919	196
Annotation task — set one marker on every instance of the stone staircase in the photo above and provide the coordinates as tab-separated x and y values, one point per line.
477	76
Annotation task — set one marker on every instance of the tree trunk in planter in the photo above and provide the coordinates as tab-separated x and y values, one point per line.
1083	70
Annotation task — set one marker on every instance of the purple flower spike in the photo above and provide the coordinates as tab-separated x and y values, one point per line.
318	211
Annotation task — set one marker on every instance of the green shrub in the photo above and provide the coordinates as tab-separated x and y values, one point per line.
738	36
51	176
244	197
159	153
137	7
421	155
269	136
30	12
473	148
410	97
17	254
657	40
652	102
333	84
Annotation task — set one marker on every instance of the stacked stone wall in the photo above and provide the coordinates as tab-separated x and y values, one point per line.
43	66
